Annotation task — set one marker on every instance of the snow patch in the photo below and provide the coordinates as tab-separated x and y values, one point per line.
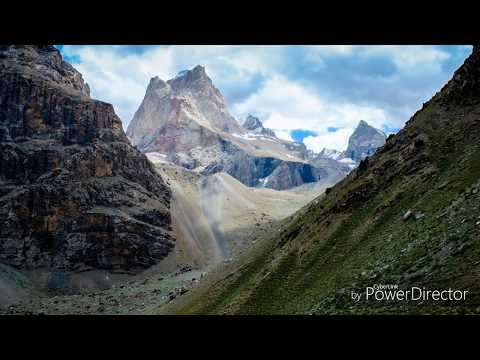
157	158
330	153
352	164
347	161
253	136
263	181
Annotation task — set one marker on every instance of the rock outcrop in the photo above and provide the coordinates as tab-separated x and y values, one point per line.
74	194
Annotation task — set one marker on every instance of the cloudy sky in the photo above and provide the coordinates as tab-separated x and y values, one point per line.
315	94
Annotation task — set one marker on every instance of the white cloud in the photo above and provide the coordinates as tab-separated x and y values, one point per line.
283	134
284	105
337	140
405	57
259	80
410	57
120	77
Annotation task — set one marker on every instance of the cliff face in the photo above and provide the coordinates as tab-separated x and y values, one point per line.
74	193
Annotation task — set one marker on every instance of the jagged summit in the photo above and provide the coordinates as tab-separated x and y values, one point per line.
156	81
254	124
251	122
188	100
364	141
195	78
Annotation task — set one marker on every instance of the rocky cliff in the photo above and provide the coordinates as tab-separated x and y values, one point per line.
74	193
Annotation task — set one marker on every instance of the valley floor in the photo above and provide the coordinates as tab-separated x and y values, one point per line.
133	297
215	219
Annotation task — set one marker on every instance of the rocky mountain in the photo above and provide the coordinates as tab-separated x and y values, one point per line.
74	193
407	216
253	124
330	154
179	114
186	121
364	141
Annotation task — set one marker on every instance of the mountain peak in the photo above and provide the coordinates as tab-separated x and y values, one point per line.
199	69
253	123
191	99
156	81
195	78
364	141
364	126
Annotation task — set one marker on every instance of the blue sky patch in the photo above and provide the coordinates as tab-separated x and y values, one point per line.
300	134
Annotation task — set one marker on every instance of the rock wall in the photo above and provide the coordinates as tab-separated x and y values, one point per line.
74	193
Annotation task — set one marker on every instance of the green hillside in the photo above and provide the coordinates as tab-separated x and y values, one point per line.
409	215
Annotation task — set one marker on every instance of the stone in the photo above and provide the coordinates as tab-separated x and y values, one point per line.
407	215
419	216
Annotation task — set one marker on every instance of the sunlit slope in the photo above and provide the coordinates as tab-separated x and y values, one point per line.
358	234
216	216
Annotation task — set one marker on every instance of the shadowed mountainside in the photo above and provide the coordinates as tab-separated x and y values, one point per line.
74	194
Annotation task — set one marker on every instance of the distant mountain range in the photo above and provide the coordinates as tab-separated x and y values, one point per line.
185	121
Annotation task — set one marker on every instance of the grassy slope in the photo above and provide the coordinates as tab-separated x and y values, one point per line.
355	236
